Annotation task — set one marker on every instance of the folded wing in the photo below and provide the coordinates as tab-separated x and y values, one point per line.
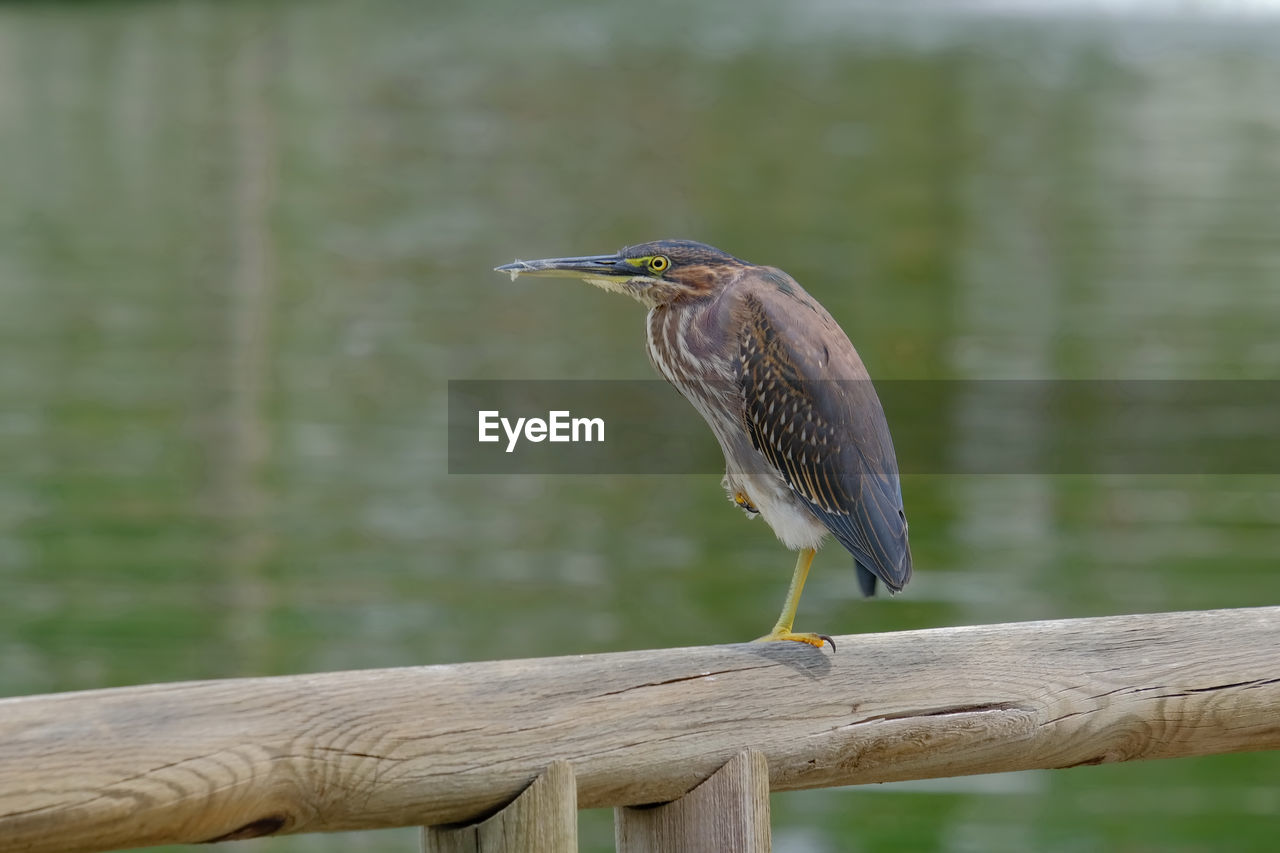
812	412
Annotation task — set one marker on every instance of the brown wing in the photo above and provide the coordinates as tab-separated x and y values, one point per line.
812	412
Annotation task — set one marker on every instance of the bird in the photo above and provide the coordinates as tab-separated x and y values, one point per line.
805	439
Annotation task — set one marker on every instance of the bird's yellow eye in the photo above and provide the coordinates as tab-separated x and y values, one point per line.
659	263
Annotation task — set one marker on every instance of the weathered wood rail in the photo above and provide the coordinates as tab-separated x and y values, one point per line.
202	761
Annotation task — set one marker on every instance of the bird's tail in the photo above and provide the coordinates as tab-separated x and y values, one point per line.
866	579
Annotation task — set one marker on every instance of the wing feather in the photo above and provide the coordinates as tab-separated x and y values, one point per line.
813	414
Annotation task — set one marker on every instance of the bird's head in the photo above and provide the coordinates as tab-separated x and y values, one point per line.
656	273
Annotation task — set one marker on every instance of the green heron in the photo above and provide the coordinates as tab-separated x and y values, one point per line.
805	441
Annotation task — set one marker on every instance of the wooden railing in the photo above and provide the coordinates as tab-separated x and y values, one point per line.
708	731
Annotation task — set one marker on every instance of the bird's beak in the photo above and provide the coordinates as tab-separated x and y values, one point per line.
587	267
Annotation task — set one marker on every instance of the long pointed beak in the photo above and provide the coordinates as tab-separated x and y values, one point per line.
588	266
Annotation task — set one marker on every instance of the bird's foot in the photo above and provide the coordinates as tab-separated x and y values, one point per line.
815	640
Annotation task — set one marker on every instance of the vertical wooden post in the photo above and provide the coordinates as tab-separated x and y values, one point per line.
729	811
543	818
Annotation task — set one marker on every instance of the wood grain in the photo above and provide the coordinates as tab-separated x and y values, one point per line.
543	819
239	758
729	811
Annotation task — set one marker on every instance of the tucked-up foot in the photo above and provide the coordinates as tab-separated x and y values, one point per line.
815	640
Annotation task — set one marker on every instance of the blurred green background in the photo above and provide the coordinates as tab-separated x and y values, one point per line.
243	247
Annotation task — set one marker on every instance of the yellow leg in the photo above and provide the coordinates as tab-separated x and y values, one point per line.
782	630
